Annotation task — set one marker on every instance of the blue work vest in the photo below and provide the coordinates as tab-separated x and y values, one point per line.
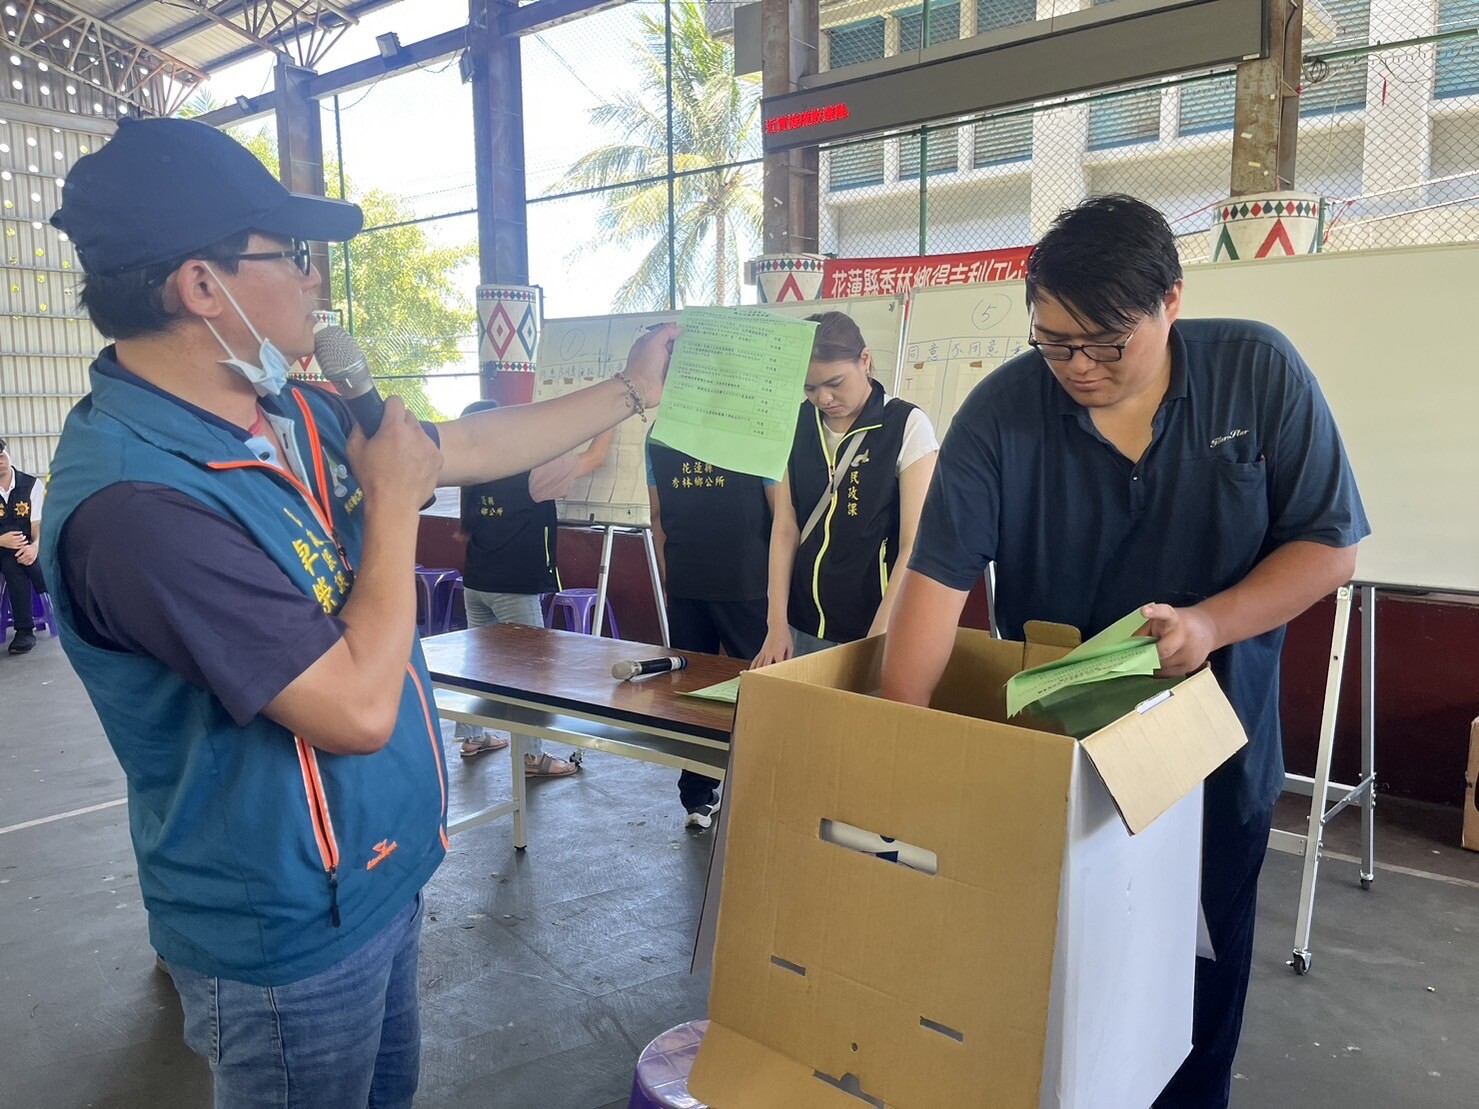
261	858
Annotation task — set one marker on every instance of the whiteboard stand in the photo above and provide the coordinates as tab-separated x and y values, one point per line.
1320	789
603	578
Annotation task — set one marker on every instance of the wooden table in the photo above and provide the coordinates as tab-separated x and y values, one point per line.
557	685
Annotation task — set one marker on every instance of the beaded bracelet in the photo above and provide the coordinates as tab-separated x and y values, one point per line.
637	404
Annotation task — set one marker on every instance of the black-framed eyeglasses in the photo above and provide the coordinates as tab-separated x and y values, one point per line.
157	275
299	254
1095	352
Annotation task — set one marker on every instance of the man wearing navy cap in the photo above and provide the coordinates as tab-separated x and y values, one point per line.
231	564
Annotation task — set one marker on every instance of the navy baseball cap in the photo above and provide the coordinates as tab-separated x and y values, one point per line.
162	189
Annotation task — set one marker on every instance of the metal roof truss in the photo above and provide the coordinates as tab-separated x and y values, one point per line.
87	49
303	29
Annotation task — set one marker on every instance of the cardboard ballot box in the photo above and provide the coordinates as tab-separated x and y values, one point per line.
1049	959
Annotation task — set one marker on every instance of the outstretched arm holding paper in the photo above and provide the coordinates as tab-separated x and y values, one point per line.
490	445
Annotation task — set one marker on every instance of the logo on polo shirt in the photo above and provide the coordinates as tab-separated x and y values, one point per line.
1229	436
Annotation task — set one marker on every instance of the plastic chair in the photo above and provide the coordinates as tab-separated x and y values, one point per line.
578	608
457	607
661	1081
433	597
41	610
445	597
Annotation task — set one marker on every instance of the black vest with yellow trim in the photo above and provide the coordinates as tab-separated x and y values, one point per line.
842	570
512	538
716	528
15	513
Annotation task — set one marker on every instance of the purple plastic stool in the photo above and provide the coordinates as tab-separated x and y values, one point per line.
445	598
434	598
578	607
661	1081
457	614
41	611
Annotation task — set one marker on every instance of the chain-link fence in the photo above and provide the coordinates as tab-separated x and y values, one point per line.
1388	133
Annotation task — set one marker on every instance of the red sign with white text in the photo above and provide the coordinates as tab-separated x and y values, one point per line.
866	277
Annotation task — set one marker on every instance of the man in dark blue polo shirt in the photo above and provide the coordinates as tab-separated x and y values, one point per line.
1190	468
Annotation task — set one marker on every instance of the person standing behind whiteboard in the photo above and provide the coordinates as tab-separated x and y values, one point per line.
1136	457
849	503
512	552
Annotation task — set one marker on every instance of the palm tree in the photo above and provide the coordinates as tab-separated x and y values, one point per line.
715	119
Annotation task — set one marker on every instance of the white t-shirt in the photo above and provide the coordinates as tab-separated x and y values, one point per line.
919	440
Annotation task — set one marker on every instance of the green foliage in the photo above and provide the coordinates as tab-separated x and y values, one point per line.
410	311
715	117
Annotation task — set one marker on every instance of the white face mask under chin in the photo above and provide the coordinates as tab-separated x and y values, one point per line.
272	372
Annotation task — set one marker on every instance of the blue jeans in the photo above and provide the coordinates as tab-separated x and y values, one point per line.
346	1038
501	608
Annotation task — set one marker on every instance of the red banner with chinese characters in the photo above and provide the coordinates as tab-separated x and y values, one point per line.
866	277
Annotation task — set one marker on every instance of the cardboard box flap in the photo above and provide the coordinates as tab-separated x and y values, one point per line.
1047	642
1051	635
1166	747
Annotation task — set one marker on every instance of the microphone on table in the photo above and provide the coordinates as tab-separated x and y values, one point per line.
626	671
343	362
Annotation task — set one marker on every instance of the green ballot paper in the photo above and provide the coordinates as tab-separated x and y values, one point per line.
724	691
736	378
1080	711
1114	653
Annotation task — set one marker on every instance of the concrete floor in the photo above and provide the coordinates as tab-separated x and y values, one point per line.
544	974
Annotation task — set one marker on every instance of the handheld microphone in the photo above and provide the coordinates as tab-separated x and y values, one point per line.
348	370
344	363
626	671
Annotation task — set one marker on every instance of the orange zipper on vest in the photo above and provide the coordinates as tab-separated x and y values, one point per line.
434	734
315	444
323	824
302	489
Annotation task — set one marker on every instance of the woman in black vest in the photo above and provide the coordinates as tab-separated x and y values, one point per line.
20	529
849	504
513	532
711	528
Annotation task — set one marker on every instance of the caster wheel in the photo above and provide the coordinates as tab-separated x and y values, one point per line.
1365	882
577	757
1301	962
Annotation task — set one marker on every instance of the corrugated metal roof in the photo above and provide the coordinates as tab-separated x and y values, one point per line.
180	29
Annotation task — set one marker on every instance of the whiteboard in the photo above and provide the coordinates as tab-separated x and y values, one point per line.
1387	333
575	353
955	337
1384	331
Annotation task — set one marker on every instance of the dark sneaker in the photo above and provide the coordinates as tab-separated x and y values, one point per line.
702	816
22	642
